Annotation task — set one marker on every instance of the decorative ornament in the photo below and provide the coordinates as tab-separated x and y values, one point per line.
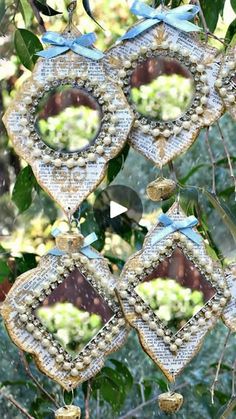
226	82
173	261
71	67
82	280
161	189
68	412
155	46
170	402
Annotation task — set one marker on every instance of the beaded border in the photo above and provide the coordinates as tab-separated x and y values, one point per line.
225	83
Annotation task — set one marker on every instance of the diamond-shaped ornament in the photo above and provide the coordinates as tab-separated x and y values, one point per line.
172	293
65	313
226	81
69	177
135	61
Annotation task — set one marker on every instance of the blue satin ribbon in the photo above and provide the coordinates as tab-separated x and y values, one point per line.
178	18
85	249
78	45
185	227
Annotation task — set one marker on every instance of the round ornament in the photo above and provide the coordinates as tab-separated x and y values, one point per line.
66	315
168	77
68	97
172	263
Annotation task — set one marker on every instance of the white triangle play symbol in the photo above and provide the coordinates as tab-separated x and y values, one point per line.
116	209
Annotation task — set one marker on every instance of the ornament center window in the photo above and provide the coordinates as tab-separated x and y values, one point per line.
68	119
175	290
161	88
74	313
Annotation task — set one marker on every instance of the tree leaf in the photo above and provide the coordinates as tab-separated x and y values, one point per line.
26	12
233	4
191	173
211	14
4	270
125	372
227	217
88	10
45	9
116	164
2	9
26	45
231	31
90	226
23	189
25	263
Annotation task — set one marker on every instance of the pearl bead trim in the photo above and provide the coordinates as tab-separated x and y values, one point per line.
226	81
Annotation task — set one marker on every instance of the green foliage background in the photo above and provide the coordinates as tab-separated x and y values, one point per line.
129	379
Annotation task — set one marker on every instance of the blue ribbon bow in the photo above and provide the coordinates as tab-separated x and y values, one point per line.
185	227
78	45
178	18
85	249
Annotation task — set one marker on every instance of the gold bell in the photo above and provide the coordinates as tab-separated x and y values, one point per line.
69	242
161	189
170	402
68	412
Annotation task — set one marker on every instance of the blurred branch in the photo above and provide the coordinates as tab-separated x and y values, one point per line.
40	387
86	402
39	18
204	24
10	399
216	379
233	394
132	412
229	409
228	156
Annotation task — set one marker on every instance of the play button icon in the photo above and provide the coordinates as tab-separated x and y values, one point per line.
118	208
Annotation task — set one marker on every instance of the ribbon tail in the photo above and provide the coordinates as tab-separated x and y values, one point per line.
192	235
56	252
93	54
186	8
139	8
90	253
138	29
86	40
90	239
52	52
162	234
182	25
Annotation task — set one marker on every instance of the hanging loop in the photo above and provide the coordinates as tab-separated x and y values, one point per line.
71	9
